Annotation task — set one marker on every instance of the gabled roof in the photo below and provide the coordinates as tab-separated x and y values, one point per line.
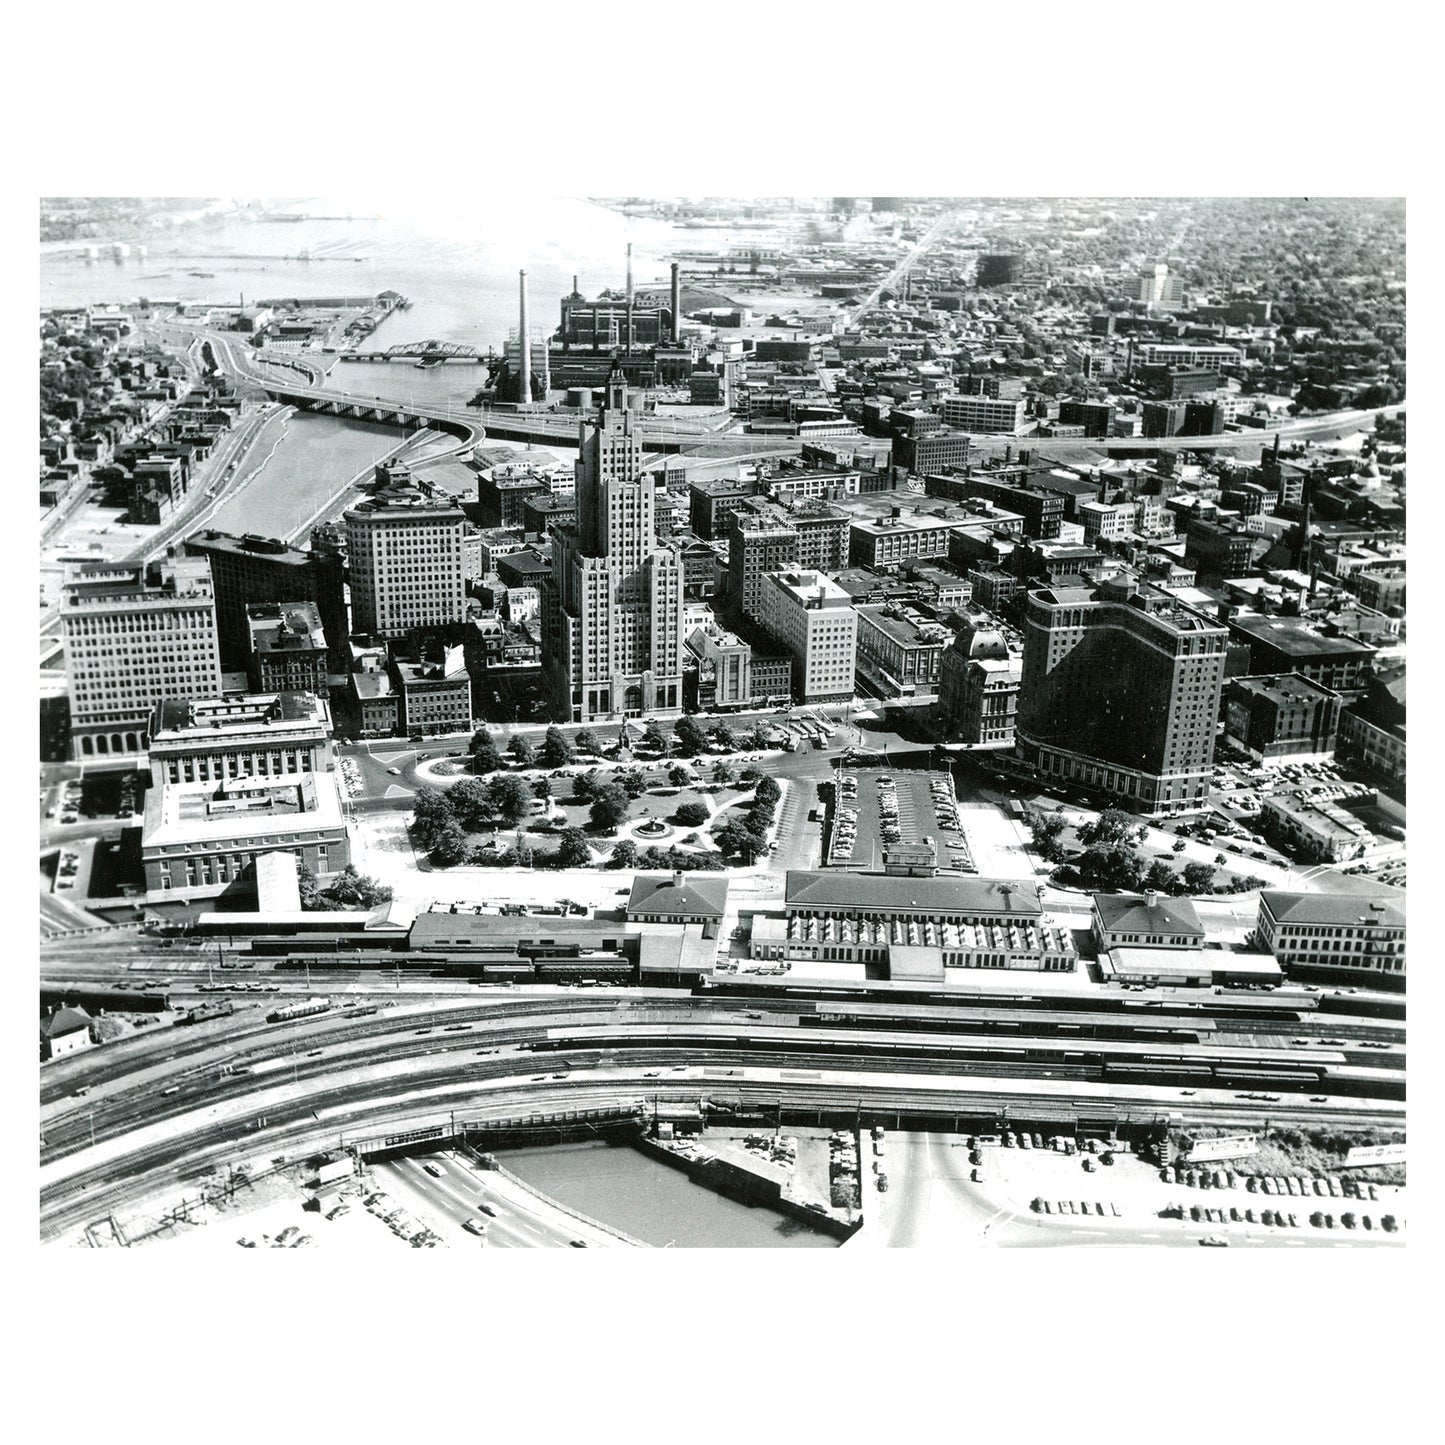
1147	914
704	897
64	1021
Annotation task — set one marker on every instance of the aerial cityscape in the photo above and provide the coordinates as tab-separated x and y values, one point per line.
496	676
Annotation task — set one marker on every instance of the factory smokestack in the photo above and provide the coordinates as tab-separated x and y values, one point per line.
524	358
676	303
629	298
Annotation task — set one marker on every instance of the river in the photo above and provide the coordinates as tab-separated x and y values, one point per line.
456	261
651	1201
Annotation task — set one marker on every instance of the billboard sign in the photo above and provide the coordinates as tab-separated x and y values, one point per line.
1234	1146
1370	1154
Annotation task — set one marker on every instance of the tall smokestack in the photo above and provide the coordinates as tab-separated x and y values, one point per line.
629	298
524	359
676	303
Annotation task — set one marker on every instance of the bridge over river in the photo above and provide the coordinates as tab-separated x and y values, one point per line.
473	425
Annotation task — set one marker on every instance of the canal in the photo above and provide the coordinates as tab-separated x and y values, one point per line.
651	1201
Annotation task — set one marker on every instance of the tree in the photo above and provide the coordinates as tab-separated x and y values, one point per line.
523	753
750	774
722	772
573	852
587	742
471	803
624	855
355	890
486	758
306	883
679	776
584	785
633	782
609	808
767	790
557	751
691	740
1111	865
691	815
1198	878
735	836
433	812
722	735
653	737
450	845
508	797
1160	876
541	788
1113	825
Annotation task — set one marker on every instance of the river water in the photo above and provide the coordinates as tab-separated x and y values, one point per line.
457	261
651	1201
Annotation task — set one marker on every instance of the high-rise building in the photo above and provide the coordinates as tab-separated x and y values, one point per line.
813	618
1120	692
612	609
263	569
1158	288
407	565
759	541
132	638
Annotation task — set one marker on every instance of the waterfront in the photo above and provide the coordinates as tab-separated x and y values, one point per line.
301	470
652	1201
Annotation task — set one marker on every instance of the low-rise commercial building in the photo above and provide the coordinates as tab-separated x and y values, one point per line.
235	778
1319	828
900	650
1351	937
914	926
1278	719
435	692
1147	920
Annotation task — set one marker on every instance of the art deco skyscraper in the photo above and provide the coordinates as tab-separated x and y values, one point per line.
612	640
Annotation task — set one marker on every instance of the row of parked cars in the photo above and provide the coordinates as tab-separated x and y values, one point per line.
1301	1186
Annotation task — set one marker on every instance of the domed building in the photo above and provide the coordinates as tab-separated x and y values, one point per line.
978	688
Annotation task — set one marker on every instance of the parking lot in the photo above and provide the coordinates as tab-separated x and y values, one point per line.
876	808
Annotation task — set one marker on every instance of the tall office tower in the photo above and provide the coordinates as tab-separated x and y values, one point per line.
132	638
250	569
612	618
407	567
1120	692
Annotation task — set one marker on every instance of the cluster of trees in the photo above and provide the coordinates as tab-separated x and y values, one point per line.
444	818
745	835
556	751
1111	858
628	855
348	890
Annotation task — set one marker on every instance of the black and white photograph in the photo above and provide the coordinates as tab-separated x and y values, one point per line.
710	721
721	722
